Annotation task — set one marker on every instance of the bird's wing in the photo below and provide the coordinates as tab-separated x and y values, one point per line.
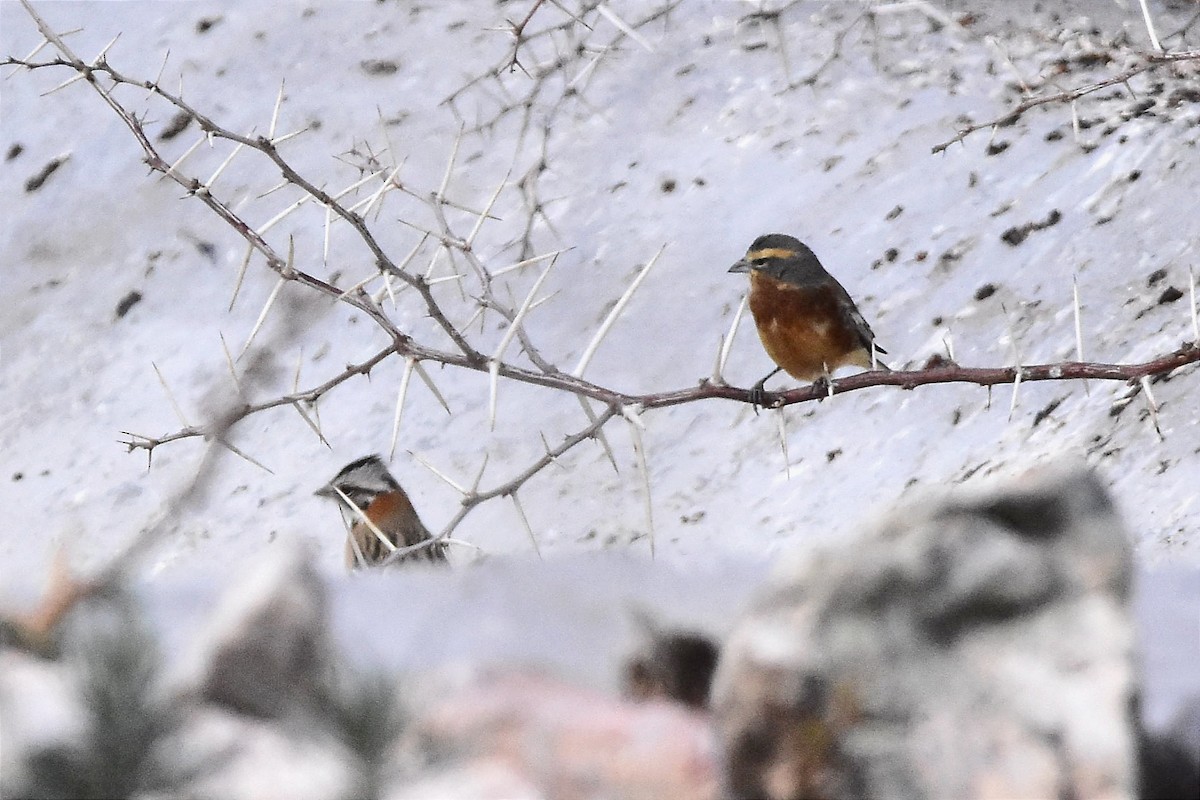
854	317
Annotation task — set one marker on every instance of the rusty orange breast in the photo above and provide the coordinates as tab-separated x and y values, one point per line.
802	329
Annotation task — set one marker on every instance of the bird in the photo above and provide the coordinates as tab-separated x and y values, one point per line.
366	491
806	320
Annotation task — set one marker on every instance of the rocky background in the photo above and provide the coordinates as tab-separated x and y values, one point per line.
877	632
982	645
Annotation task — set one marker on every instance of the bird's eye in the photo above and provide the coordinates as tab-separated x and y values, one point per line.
758	262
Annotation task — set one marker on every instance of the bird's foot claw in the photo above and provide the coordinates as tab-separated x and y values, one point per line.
823	387
758	396
761	398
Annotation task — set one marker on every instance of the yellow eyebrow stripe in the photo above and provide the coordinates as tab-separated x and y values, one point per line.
770	252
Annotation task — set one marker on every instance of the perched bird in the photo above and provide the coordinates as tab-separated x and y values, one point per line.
365	488
807	322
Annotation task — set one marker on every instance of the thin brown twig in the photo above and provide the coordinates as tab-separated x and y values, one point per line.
1189	353
472	499
1150	61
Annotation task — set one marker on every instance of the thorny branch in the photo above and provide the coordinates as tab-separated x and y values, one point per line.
1148	62
552	76
106	80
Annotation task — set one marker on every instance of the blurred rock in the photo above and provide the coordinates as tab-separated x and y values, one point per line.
260	715
267	651
526	735
481	779
232	756
1170	760
670	665
41	712
978	647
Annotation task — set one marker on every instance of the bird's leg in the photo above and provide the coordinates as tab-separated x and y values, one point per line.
824	382
757	393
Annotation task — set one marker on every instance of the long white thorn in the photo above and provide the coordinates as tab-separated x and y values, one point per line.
639	448
723	351
262	316
161	69
241	454
387	289
78	76
528	261
612	316
51	36
171	396
281	185
1078	327
1150	27
325	245
104	50
237	284
224	164
423	375
1078	323
1195	311
282	215
493	391
383	188
783	444
1152	405
275	111
296	374
384	540
352	289
29	57
174	168
409	365
479	475
599	436
587	69
237	384
365	179
525	524
310	422
519	319
441	193
1012	338
487	211
509	335
281	139
387	140
624	27
1012	405
403	265
449	481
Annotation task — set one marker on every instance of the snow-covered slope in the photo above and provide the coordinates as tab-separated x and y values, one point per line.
696	144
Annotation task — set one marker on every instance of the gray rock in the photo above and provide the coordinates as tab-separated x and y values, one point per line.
41	711
976	647
267	650
258	701
232	756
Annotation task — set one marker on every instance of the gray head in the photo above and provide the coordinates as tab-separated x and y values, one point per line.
361	481
782	257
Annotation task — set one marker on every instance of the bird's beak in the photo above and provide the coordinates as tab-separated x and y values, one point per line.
326	491
741	266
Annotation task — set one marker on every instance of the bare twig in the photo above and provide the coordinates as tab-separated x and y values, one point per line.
1148	62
